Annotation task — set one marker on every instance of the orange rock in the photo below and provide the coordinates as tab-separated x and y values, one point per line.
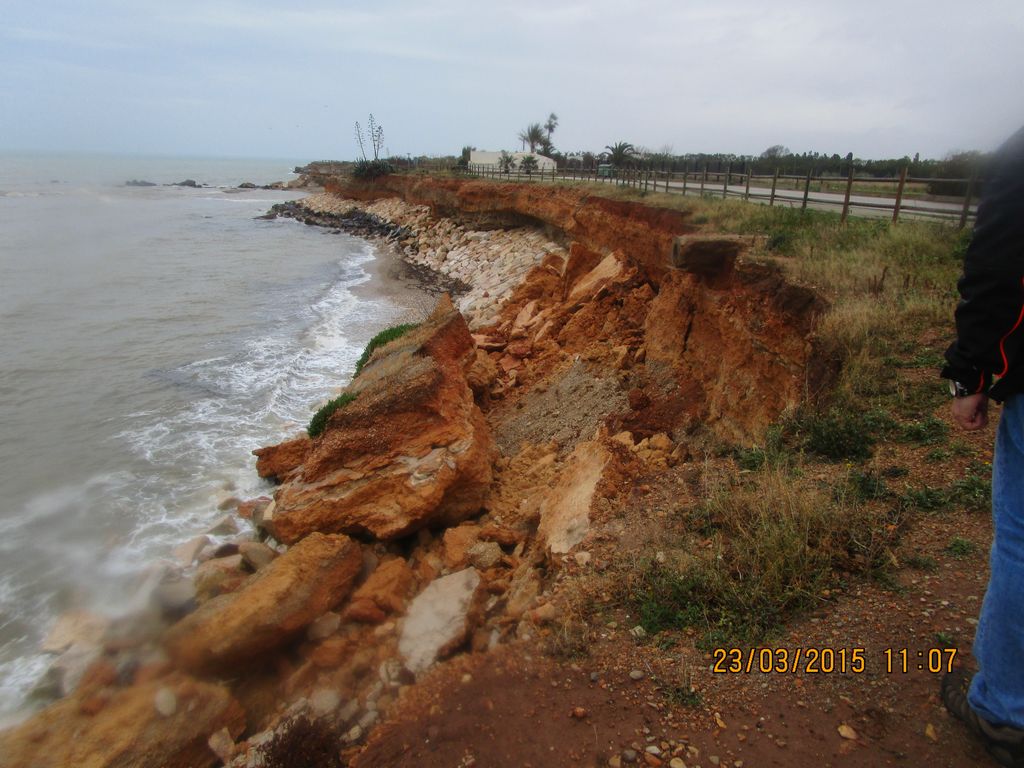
127	730
248	509
457	542
412	450
274	606
278	462
382	593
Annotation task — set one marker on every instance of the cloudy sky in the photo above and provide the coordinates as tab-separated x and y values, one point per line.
289	79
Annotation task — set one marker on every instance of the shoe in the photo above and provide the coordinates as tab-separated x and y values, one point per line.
1004	743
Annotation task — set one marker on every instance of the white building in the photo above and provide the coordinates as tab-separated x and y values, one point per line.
485	159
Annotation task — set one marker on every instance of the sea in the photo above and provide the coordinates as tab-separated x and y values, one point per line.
150	339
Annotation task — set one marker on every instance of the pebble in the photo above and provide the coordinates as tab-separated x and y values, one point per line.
636	674
166	702
629	755
676	762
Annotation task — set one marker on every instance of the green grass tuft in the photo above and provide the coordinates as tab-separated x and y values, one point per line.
382	338
319	421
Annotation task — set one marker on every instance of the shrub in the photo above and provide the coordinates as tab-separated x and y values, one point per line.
838	435
367	170
382	338
307	743
319	421
929	431
959	547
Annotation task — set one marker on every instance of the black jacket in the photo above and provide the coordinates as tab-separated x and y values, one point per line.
990	316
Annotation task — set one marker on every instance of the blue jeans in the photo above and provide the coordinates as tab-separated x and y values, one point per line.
997	692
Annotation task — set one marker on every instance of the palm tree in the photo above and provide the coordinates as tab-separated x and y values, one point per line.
620	152
551	124
506	162
528	164
532	135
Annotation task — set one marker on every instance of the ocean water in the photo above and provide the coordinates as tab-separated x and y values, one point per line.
150	339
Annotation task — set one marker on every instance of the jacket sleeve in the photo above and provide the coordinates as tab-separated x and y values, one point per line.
990	315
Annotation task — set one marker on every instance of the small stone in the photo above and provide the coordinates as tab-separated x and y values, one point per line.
636	675
629	755
324	701
714	759
676	762
166	702
638	632
324	627
367	721
222	745
355	733
614	762
653	749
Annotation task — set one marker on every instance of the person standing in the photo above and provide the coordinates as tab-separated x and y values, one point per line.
986	362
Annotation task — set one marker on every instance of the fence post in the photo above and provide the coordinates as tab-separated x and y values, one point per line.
899	195
807	190
775	181
703	179
967	200
846	199
746	191
686	175
725	187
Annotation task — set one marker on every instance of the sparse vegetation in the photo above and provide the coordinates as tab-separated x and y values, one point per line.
382	338
772	544
959	547
319	421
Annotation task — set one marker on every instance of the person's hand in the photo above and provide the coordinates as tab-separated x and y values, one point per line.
971	412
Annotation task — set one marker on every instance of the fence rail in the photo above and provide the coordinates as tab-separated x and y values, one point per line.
772	189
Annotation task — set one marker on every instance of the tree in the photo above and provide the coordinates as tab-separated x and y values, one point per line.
775	151
528	164
620	152
551	124
533	135
546	147
506	163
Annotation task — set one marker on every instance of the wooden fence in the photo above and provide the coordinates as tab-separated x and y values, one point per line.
775	189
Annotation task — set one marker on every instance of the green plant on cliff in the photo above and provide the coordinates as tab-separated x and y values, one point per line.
382	338
371	169
319	421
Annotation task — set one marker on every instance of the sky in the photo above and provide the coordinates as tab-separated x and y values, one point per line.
289	79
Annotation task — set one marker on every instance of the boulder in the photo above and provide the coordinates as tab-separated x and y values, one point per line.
256	555
135	728
273	607
438	620
565	510
187	553
382	593
412	450
278	462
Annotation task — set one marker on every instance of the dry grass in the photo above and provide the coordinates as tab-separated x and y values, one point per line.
761	549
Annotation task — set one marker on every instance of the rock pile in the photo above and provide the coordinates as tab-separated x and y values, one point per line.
491	263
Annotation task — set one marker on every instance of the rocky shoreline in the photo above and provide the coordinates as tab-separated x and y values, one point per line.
449	497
